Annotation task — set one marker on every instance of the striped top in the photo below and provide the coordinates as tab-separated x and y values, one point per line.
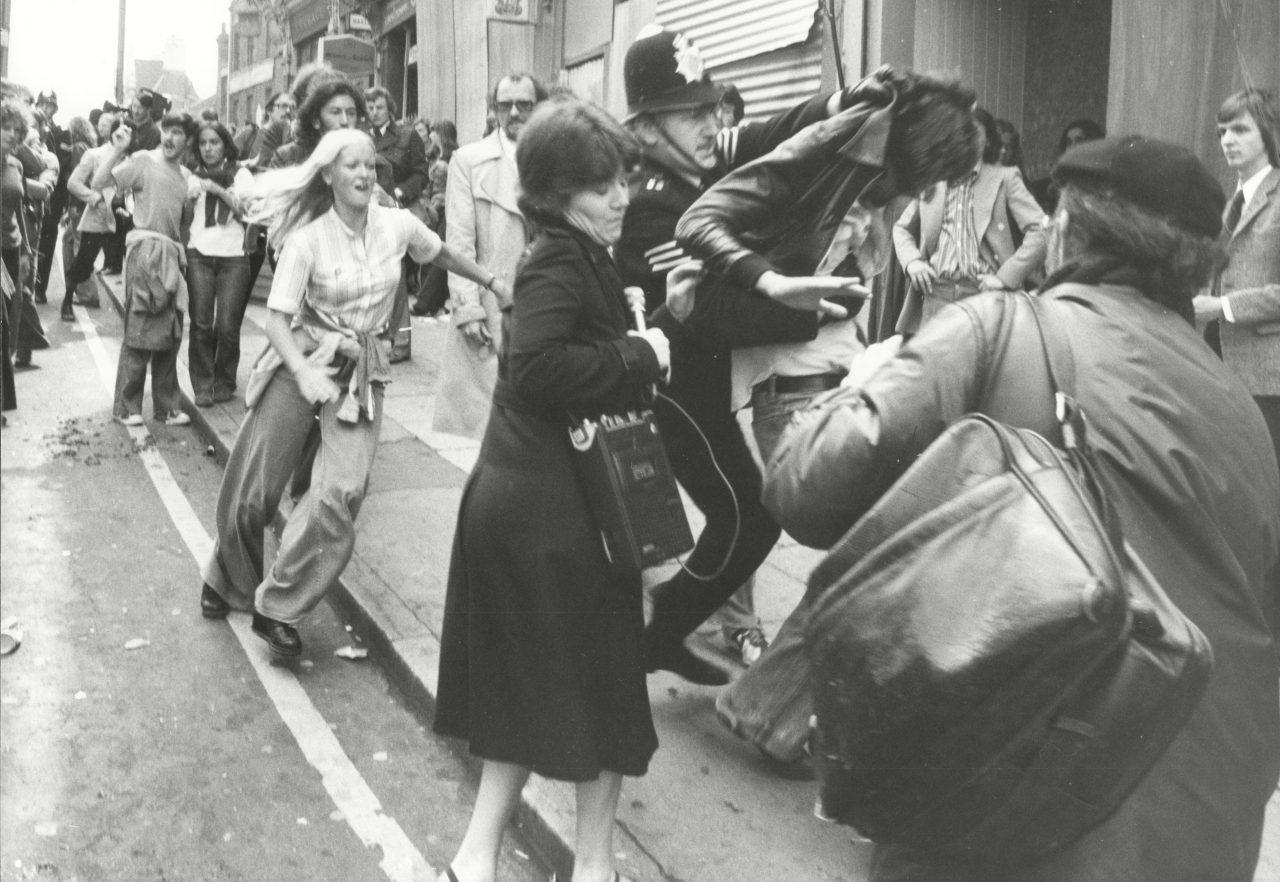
958	255
348	278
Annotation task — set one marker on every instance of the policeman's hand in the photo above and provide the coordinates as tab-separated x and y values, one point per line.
812	292
122	137
658	343
316	384
922	275
682	288
476	333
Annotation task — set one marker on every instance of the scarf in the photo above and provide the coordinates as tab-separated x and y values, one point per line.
216	211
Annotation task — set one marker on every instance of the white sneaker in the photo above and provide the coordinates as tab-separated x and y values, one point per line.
750	642
177	418
133	419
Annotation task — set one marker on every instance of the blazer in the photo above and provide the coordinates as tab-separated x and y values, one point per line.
1250	284
1000	200
402	147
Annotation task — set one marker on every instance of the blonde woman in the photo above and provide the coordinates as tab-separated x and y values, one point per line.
329	328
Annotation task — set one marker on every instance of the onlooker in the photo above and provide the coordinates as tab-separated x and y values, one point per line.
155	290
83	140
14	247
433	294
1077	132
981	232
97	223
1180	447
1011	147
146	134
40	174
540	663
58	142
330	103
217	267
486	225
328	315
399	145
1245	304
255	145
731	108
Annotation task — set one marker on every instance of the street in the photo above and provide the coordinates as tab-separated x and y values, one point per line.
141	741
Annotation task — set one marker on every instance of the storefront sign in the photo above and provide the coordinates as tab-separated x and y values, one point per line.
349	54
312	18
514	10
397	12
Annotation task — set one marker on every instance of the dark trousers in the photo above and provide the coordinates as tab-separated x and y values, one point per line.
25	330
219	291
86	256
113	248
684	601
49	241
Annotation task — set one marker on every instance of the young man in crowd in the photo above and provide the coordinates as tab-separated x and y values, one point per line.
155	266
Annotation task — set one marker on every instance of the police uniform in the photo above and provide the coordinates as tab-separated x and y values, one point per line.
739	533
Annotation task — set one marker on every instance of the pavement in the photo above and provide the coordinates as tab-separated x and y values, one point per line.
710	807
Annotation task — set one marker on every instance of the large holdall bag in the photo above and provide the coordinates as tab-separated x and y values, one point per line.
994	670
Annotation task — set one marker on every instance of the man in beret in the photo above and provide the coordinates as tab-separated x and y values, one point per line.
1183	454
1244	304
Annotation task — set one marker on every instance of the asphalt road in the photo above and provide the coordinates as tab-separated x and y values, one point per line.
139	741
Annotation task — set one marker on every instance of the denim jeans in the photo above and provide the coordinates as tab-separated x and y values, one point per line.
219	291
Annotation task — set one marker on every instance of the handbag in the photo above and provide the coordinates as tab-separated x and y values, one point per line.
994	669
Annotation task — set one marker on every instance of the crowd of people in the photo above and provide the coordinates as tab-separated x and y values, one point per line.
752	249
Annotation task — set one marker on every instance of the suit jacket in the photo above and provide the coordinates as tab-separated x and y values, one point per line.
486	225
402	147
1000	199
1250	284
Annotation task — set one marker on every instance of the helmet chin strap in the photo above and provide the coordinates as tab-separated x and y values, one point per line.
692	170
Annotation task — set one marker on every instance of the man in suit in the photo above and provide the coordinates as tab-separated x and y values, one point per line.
399	145
1245	302
485	225
962	237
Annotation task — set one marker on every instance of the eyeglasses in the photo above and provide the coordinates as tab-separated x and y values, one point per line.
279	106
506	106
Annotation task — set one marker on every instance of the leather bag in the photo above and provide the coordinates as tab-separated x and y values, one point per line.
994	669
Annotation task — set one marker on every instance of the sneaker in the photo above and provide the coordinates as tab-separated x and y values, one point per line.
177	418
133	419
750	643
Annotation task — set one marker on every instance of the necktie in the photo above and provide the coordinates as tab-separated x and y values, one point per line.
1233	213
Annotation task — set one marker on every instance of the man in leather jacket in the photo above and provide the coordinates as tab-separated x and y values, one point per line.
671	105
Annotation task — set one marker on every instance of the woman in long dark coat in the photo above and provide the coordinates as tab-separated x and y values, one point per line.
541	668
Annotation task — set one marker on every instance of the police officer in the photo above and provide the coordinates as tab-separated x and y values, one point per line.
671	105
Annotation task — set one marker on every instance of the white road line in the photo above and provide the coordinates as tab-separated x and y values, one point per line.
401	860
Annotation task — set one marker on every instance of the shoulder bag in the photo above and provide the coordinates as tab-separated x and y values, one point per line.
994	669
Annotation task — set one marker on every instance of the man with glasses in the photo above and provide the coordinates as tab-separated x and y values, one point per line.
257	144
486	226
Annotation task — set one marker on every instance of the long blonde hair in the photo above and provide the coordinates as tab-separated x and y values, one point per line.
289	198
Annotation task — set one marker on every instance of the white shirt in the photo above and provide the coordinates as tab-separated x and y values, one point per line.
350	278
219	240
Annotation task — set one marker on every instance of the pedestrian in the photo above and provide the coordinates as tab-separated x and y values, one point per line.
433	294
980	232
1136	229
485	223
57	141
328	325
540	665
1243	306
97	224
217	266
155	289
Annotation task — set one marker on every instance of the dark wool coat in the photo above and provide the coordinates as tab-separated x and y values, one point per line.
540	661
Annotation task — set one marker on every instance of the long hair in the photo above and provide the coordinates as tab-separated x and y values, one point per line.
320	94
448	134
1261	105
990	152
1171	264
934	136
81	131
290	198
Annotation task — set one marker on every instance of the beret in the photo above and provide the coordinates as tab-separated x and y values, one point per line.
1165	179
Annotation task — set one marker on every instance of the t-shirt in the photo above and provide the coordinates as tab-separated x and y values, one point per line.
159	191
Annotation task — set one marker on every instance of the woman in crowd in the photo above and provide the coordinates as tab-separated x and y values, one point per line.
217	266
541	668
340	261
16	249
329	102
83	139
1182	451
97	224
1011	147
442	141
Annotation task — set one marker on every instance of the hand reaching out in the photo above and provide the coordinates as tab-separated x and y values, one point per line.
682	288
812	292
